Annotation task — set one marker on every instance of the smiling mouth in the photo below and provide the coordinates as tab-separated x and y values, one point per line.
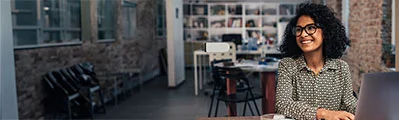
306	41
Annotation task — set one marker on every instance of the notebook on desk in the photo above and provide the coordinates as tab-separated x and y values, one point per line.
379	97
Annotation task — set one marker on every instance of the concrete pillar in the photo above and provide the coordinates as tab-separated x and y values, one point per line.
8	91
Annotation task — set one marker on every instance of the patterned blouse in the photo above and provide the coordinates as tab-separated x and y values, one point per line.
300	92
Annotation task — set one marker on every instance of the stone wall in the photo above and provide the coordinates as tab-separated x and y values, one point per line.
140	52
336	6
366	37
364	55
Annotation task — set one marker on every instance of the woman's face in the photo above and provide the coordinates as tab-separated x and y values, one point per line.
309	37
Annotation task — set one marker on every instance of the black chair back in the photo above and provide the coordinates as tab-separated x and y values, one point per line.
63	81
53	101
73	81
73	75
81	75
88	68
243	89
54	85
77	70
219	82
50	86
232	73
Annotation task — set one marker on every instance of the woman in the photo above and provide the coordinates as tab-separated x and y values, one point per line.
313	83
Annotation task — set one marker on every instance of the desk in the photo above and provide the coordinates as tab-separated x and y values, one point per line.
232	118
268	81
259	52
200	55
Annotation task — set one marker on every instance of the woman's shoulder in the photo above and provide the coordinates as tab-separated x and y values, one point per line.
287	60
341	63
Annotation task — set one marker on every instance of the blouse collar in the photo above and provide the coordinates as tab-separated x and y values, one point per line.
329	64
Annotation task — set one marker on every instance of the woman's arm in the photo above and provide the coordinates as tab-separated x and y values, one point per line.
349	101
285	105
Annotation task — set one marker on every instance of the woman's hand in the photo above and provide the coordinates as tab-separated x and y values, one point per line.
333	115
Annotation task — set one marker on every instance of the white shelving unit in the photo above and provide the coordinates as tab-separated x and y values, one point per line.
205	22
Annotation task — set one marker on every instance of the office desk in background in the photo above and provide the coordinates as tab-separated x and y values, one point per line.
268	82
201	56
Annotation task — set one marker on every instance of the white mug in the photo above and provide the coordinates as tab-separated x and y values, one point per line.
272	117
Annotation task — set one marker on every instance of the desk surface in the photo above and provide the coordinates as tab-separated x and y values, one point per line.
232	118
271	51
254	66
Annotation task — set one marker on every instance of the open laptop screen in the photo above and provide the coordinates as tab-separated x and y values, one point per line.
379	97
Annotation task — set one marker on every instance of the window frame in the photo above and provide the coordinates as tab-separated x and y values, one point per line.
160	17
129	5
113	28
40	29
394	47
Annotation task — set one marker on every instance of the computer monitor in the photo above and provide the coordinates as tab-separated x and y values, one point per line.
379	97
236	38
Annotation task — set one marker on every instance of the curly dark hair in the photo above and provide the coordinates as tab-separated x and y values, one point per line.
334	36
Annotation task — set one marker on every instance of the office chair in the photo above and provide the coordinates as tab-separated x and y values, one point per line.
244	89
219	51
219	83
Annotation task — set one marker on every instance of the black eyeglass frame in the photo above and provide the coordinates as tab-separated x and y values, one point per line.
304	29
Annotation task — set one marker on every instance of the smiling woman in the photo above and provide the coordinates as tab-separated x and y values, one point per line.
313	83
311	40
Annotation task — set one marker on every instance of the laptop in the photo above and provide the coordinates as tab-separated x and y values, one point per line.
379	97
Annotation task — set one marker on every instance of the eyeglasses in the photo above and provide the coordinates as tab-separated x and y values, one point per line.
310	29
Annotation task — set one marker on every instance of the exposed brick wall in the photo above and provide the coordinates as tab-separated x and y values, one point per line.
30	65
140	52
336	6
317	1
364	55
366	35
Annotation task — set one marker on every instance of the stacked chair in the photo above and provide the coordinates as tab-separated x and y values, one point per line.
61	99
244	90
72	90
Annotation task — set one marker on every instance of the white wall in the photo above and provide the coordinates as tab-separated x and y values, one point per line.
8	92
175	46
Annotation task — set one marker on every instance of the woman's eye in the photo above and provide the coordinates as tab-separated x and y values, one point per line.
311	27
298	30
